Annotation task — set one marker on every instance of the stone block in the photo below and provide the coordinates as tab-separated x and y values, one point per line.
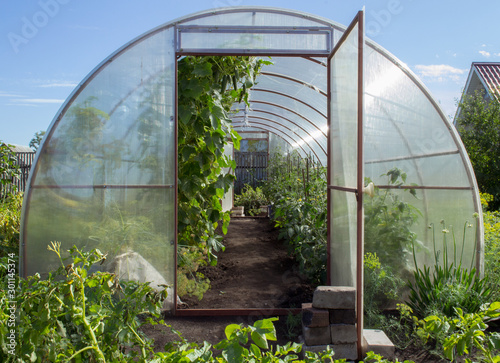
376	341
316	336
342	316
343	333
314	318
334	297
346	351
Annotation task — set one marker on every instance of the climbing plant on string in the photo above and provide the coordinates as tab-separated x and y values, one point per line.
207	88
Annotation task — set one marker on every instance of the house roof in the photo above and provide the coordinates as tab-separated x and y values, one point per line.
489	74
483	76
21	148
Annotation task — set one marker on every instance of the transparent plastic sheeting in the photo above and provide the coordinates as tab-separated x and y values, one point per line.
109	156
343	160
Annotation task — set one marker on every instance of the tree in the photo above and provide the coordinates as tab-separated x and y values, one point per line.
36	140
479	128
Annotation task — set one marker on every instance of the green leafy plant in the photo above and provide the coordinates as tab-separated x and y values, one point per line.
190	281
75	315
461	333
372	357
388	224
296	188
251	199
448	285
381	289
10	221
208	87
8	170
243	344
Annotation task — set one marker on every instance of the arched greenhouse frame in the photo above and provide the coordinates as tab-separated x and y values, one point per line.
330	94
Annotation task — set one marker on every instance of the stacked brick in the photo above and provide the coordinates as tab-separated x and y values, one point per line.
330	320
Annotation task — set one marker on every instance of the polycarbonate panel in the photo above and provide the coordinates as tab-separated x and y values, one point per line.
133	222
106	172
398	112
298	140
305	93
343	223
344	160
255	17
119	130
441	170
311	118
253	145
313	137
305	69
286	116
253	135
284	135
228	200
273	40
278	145
438	211
344	113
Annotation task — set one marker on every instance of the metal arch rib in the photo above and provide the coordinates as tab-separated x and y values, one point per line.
300	137
288	96
269	129
296	80
289	110
288	120
275	122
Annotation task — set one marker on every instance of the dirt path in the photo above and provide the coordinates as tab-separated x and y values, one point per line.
255	271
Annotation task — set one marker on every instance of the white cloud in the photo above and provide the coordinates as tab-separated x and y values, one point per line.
484	53
10	95
59	84
440	72
36	101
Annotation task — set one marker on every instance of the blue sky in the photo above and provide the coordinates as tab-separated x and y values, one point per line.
48	46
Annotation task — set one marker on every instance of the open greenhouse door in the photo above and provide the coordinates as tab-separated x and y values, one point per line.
345	165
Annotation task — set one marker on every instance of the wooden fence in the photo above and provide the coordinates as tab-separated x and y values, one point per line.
251	168
24	161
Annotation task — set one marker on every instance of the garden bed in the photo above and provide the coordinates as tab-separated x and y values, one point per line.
255	271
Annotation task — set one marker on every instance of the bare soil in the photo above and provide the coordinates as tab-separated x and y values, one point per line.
255	271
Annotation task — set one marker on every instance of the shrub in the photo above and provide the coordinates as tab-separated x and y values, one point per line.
251	199
491	246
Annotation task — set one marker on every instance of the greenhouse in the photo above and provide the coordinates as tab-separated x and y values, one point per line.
106	175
